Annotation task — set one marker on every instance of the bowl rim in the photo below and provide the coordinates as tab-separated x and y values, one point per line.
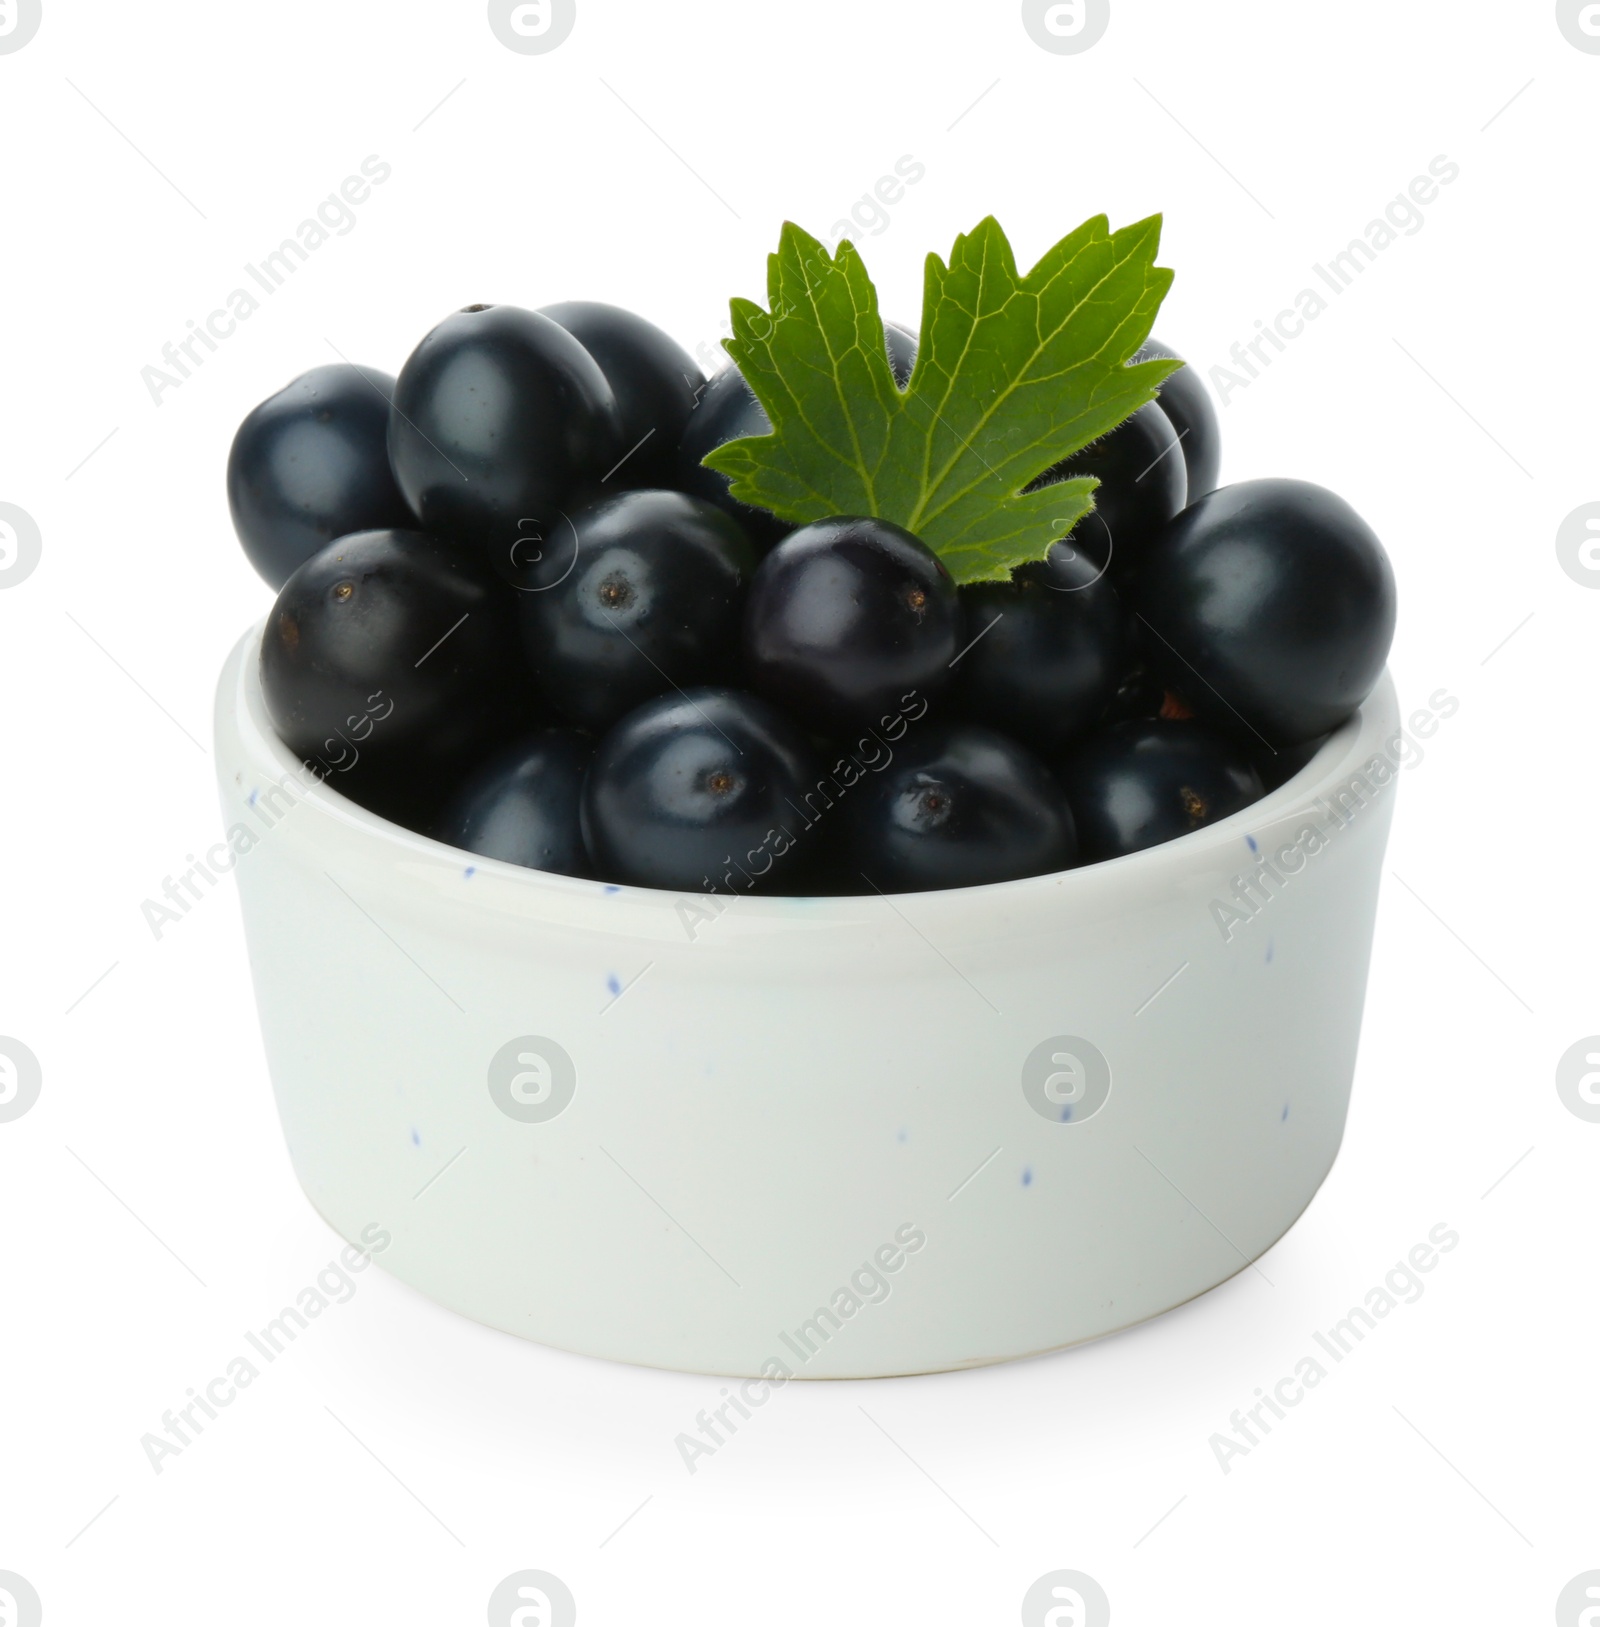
241	707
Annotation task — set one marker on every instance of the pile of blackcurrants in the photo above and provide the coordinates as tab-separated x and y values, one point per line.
517	613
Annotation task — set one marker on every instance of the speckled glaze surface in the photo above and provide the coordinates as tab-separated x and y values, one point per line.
820	1138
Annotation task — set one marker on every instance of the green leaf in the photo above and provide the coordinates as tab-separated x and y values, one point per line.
1013	374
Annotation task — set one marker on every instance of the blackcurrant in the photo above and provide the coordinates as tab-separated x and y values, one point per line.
311	464
1187	404
648	598
846	617
498	416
1134	785
1046	650
959	806
699	791
1143	483
653	378
521	805
726	411
389	662
1269	606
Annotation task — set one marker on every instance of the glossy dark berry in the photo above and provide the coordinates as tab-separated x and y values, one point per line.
653	378
1269	606
652	600
1143	483
1187	404
521	805
959	806
1046	650
699	792
846	617
389	661
499	415
1134	785
311	463
728	410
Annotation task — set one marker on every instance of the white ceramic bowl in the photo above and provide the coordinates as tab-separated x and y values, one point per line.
834	1137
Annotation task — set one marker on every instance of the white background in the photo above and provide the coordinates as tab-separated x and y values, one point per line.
398	1462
